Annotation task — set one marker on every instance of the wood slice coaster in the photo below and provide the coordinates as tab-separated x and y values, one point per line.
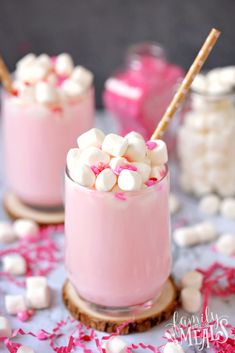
17	209
161	310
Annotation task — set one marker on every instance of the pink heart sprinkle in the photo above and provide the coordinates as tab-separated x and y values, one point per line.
151	145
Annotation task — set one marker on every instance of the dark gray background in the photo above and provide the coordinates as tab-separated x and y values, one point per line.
97	32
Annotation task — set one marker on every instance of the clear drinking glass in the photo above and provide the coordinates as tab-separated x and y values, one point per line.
36	141
118	251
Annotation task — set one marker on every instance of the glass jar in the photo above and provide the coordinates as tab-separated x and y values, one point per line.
206	144
118	252
139	94
36	141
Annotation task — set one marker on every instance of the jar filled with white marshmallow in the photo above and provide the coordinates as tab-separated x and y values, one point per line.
206	139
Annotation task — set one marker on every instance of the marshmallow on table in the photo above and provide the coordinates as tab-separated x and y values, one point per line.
14	264
209	204
82	174
116	162
226	244
115	345
45	93
159	153
72	89
83	76
64	64
174	203
173	347
129	180
115	145
93	155
105	180
191	299
25	349
7	234
227	208
72	159
5	328
136	150
143	169
25	227
37	292
192	279
93	137
197	234
14	304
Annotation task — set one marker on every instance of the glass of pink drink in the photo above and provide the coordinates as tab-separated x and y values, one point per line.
40	124
118	253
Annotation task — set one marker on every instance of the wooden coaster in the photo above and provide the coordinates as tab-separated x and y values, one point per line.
17	209
161	310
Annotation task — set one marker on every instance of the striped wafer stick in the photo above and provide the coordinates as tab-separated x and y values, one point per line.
186	83
5	76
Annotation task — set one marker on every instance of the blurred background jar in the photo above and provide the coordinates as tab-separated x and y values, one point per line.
206	139
138	94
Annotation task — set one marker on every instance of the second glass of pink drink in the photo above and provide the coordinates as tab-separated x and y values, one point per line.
52	103
117	220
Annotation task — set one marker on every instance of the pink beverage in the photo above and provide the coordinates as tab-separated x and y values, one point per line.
117	245
39	126
139	94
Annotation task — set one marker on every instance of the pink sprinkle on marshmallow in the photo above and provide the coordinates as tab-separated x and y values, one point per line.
151	182
151	145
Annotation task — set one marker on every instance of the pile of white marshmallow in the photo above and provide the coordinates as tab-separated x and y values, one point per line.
115	163
51	82
37	295
206	144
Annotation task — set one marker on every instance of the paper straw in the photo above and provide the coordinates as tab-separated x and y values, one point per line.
186	83
5	76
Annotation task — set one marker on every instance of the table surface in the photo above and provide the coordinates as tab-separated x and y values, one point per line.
183	260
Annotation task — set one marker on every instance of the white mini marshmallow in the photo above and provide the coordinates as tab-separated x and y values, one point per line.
174	203
25	227
5	328
72	89
26	60
226	244
64	64
115	345
227	208
197	234
116	162
133	135
191	299
173	347
14	264
136	150
82	174
25	349
144	170
72	158
25	92
115	145
199	84
83	76
209	204
45	61
14	304
192	279
105	180
7	234
129	180
93	155
93	137
45	93
37	292
159	153
158	172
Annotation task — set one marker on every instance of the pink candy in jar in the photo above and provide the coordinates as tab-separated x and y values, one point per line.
139	94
